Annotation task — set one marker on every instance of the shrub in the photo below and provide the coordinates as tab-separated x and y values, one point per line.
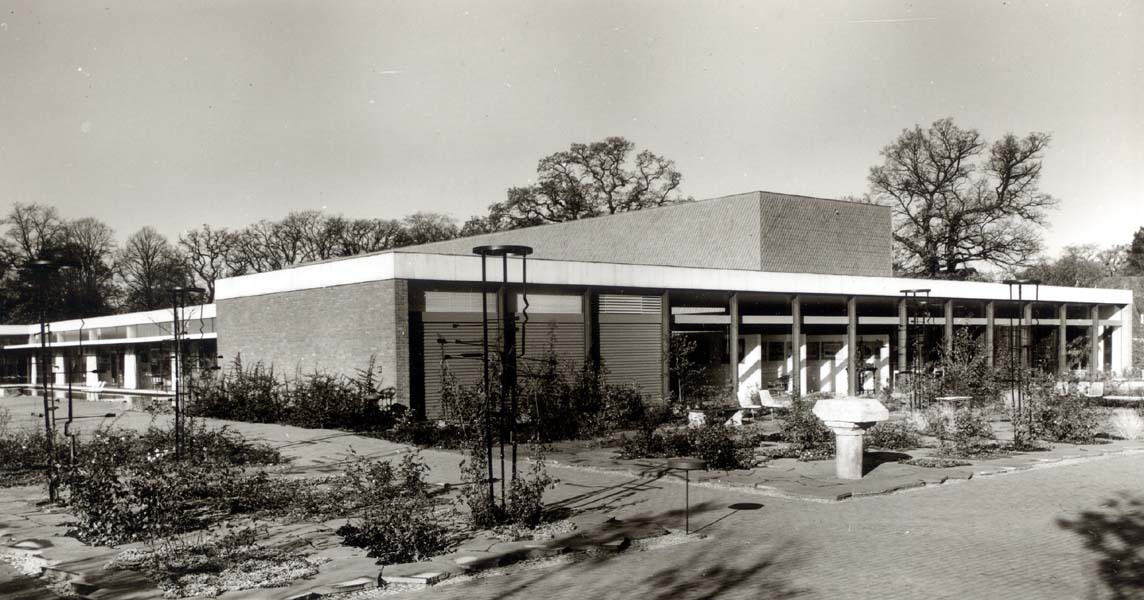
525	506
624	408
1126	424
126	487
399	522
969	431
893	435
804	431
1068	419
319	400
23	456
720	446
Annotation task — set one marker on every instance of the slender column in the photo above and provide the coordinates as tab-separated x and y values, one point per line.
60	370
1062	339
1026	335
587	308
852	375
796	345
947	338
990	317
91	363
733	342
130	370
35	370
1094	362
903	336
665	344
1126	332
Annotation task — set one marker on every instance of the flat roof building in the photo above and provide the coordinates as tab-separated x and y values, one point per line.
777	290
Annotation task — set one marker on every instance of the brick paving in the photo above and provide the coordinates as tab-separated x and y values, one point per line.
989	537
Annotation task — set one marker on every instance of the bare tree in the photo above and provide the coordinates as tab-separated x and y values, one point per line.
209	255
426	227
88	245
148	267
360	236
950	214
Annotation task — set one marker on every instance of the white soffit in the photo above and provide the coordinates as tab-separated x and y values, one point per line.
445	267
361	269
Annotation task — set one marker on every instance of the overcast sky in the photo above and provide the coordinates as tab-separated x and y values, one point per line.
180	113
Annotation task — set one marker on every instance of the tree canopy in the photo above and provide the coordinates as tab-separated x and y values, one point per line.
587	180
959	202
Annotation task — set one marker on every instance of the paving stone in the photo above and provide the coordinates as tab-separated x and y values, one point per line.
355	585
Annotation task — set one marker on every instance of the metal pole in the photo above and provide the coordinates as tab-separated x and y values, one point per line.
175	373
485	360
46	372
502	312
686	502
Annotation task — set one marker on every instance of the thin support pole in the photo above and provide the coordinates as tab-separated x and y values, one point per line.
485	361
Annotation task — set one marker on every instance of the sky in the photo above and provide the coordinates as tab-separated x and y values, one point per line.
179	113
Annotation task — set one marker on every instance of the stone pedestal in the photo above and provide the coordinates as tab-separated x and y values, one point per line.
849	418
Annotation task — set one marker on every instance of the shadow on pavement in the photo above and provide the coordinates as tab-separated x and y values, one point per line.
1115	533
699	568
873	460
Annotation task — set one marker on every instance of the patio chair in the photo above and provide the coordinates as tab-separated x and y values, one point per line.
1095	389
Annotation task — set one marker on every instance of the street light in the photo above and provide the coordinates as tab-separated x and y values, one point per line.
912	296
41	269
508	352
1021	344
179	297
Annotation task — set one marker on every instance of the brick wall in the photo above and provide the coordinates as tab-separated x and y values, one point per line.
719	233
335	329
813	235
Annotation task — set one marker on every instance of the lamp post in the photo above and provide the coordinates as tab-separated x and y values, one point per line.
508	354
179	296
42	269
1019	346
912	296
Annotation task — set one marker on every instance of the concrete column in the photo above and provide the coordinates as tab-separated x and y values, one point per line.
587	310
796	345
733	343
1127	314
90	363
664	338
34	372
59	371
947	337
853	377
174	372
990	317
1026	335
1062	339
1117	342
903	336
1094	357
130	370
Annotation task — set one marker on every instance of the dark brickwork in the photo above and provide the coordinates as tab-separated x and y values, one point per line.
335	329
752	231
813	235
720	233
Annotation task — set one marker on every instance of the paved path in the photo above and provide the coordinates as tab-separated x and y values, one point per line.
988	538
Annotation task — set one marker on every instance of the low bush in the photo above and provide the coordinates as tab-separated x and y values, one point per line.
398	522
722	447
805	432
893	435
23	456
126	486
317	401
968	430
1070	419
524	506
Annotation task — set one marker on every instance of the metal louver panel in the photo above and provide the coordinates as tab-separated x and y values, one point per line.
631	341
630	305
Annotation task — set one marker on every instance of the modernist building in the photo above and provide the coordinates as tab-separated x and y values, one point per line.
778	290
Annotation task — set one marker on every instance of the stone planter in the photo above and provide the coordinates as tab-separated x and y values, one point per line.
849	418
